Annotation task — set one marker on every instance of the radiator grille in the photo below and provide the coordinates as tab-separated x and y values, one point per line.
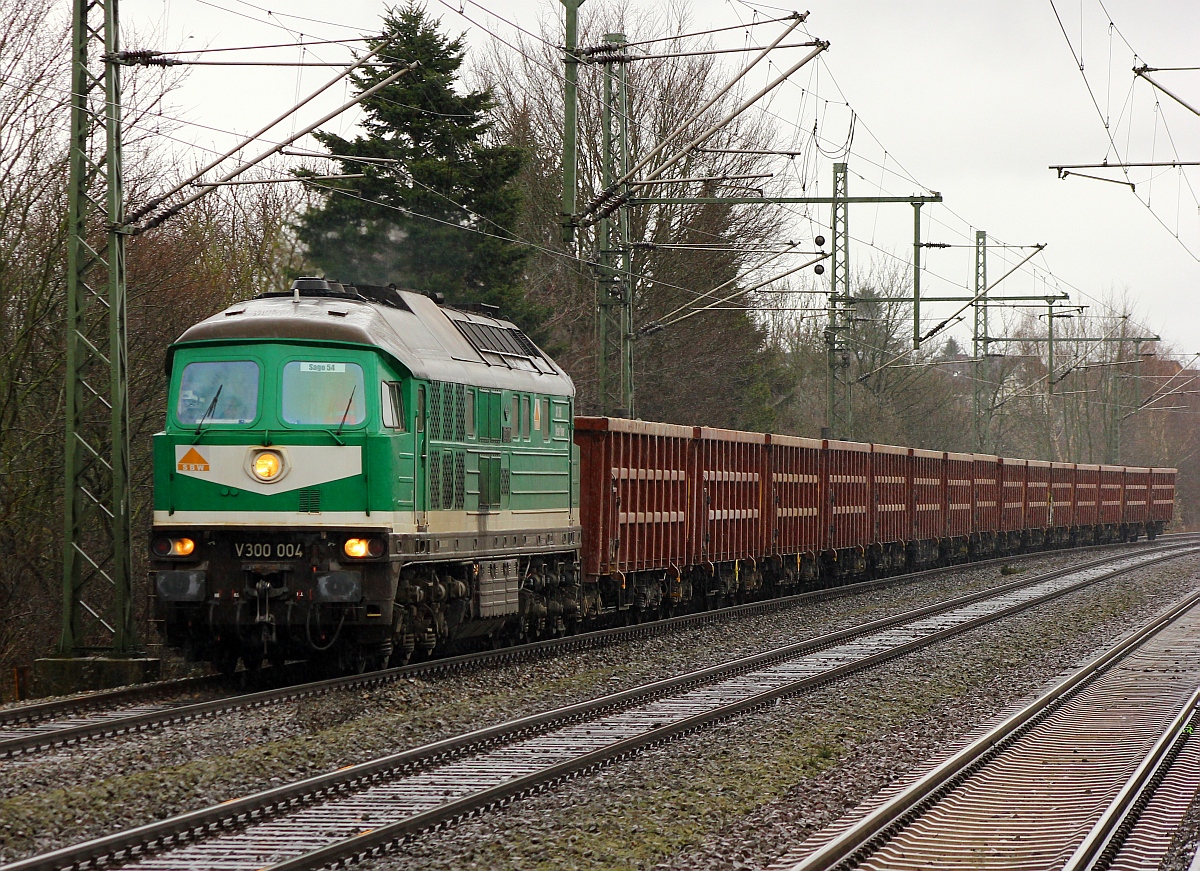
435	481
447	481
460	413
447	412
460	480
310	501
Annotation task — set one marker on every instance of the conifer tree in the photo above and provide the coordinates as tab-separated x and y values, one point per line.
439	217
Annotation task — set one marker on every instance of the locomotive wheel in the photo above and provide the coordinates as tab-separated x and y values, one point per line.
352	660
225	661
506	635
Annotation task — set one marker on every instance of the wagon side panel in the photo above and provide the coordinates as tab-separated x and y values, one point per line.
890	483
960	492
730	477
849	494
1087	494
794	495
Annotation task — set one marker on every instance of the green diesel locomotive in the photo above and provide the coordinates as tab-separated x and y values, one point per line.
359	472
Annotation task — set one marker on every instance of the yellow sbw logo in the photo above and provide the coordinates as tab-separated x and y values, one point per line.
192	461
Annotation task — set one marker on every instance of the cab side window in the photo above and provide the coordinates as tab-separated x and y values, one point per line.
525	418
391	404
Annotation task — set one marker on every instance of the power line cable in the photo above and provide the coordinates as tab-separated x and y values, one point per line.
803	216
303	43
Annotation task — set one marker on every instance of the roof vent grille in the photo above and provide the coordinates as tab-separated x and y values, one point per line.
503	346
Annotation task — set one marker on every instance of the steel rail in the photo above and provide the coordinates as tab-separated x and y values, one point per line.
197	824
37	712
101	727
858	841
1101	844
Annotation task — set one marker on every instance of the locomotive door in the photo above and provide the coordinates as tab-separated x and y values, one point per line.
421	462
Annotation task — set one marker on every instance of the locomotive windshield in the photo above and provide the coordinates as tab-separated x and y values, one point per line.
323	393
224	391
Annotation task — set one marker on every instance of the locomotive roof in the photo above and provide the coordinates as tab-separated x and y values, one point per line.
432	341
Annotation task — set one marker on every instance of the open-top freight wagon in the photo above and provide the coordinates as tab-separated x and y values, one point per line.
673	514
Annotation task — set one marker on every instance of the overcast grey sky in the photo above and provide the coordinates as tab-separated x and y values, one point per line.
971	99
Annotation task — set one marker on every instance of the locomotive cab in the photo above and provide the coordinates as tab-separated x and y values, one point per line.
269	513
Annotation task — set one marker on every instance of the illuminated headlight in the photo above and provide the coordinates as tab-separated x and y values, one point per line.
164	546
267	466
364	548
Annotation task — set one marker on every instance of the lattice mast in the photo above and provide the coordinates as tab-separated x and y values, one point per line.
614	288
980	349
840	314
97	582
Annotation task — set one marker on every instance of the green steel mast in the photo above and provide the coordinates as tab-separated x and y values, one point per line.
614	288
980	348
96	547
838	421
570	120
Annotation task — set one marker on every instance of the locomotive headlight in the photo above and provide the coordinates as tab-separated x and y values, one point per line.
163	546
360	548
266	465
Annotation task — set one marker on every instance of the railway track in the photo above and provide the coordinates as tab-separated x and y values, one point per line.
69	721
1096	773
366	808
62	712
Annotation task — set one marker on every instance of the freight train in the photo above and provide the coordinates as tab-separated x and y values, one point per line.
358	474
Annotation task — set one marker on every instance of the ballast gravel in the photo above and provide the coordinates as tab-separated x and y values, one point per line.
53	799
746	793
1186	844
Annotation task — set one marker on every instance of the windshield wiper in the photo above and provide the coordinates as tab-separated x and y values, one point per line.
346	413
212	406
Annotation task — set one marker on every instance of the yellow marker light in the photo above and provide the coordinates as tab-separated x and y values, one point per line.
356	547
162	546
267	465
